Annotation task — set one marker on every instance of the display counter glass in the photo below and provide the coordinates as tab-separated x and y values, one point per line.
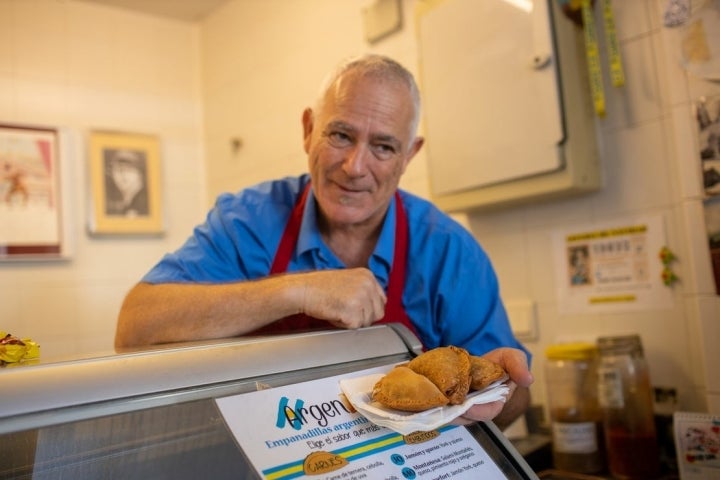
155	414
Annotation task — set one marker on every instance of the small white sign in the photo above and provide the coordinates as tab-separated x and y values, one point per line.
697	441
611	267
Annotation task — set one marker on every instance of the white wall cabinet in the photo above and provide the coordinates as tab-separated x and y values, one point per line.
508	116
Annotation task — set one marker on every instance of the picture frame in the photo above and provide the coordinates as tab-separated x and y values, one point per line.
31	207
125	186
707	114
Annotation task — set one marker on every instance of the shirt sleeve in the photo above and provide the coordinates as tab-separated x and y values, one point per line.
232	244
452	294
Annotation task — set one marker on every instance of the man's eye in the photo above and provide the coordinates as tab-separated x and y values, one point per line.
386	148
339	139
383	150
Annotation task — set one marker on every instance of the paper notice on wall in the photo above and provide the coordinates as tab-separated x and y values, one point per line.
611	267
697	441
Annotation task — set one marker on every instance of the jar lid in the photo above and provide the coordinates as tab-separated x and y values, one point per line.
571	351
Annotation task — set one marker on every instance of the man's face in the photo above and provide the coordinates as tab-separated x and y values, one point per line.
358	147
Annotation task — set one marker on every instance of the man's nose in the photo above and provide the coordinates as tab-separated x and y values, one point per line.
356	161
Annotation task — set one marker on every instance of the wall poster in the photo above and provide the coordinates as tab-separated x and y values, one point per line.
707	114
712	224
612	267
30	207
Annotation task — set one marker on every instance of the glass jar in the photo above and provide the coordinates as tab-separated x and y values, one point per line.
575	416
626	398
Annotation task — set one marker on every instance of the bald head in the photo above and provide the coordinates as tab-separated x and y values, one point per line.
378	67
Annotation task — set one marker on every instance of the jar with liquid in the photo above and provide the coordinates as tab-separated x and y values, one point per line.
626	398
575	416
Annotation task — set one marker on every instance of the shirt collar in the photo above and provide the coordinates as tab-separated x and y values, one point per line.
381	259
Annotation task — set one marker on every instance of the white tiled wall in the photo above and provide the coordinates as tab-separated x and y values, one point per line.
259	79
79	67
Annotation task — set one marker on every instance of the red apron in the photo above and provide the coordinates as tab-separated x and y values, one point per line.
394	311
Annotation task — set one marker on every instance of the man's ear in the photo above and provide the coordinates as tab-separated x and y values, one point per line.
414	149
307	121
416	146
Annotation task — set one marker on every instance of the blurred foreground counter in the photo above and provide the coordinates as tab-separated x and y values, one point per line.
251	408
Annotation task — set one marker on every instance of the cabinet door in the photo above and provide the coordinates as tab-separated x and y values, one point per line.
490	88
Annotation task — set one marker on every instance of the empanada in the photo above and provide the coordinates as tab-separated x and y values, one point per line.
448	368
403	389
484	372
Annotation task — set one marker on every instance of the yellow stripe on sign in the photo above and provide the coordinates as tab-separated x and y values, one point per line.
617	74
292	470
286	472
613	299
373	446
593	58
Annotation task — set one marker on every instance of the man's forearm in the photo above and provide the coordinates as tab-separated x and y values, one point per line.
174	312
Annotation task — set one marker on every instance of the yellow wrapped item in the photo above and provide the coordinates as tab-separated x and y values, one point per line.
14	349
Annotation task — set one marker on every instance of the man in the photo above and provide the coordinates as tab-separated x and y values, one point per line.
327	249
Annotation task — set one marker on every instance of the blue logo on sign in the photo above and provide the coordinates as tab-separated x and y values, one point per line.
287	415
397	459
408	473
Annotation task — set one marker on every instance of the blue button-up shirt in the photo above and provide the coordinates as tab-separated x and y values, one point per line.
451	292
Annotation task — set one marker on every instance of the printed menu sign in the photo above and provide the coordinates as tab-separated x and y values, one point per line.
310	430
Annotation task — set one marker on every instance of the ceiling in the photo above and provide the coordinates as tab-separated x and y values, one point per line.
186	10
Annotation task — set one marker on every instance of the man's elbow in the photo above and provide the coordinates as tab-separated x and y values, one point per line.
129	322
124	337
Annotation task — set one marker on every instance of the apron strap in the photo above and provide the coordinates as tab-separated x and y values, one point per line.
394	311
290	235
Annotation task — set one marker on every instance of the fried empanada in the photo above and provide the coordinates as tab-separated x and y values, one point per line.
484	372
403	389
448	368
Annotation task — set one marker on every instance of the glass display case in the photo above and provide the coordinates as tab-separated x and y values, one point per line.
153	413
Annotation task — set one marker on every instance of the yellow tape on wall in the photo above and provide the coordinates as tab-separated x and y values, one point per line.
593	58
617	74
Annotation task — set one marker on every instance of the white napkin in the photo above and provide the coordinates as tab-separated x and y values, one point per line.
359	392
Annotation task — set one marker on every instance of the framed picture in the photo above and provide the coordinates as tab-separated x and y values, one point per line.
125	184
30	204
707	113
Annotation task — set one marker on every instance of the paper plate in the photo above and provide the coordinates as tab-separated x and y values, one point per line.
359	393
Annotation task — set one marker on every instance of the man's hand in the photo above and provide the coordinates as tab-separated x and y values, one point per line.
347	298
515	363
